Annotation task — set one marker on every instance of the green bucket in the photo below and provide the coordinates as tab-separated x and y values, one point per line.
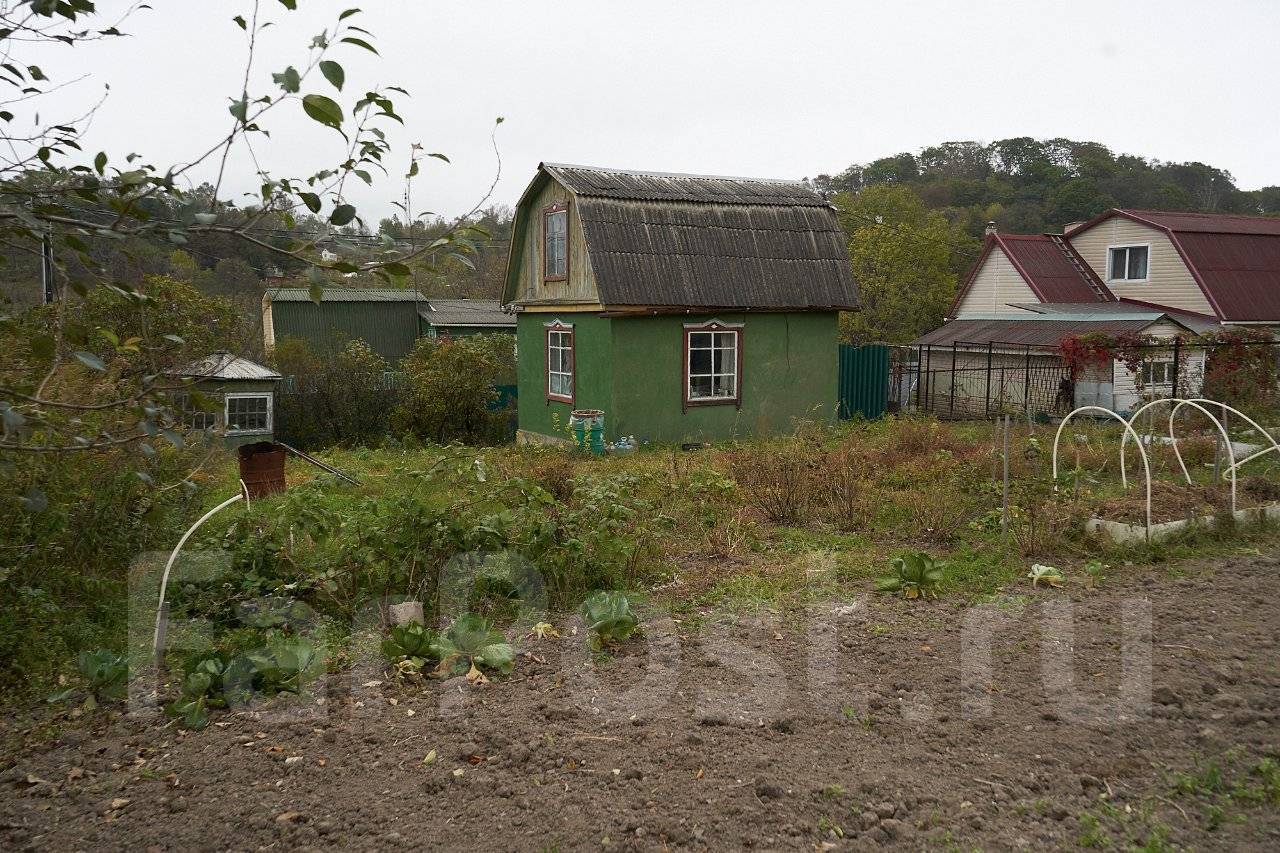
588	430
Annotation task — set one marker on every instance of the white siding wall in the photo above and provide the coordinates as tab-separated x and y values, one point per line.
1169	282
1190	378
996	285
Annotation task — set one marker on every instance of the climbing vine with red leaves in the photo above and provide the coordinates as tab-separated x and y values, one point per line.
1242	366
1099	349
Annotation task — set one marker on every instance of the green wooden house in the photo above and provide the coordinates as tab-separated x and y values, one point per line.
686	307
240	397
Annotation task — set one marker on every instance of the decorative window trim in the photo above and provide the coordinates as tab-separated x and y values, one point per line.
563	328
239	395
738	331
547	212
1111	272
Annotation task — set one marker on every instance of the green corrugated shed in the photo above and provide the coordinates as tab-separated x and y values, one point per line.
386	319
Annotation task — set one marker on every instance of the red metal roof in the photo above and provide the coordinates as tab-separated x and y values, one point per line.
1235	259
1045	262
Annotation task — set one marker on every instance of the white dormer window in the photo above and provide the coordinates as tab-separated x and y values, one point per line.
1127	263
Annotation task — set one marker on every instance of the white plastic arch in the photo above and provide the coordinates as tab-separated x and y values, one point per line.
157	639
1128	427
1177	404
1275	445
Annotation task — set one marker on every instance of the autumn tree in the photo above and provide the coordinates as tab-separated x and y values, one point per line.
904	259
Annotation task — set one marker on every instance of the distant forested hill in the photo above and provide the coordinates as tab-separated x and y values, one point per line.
1031	185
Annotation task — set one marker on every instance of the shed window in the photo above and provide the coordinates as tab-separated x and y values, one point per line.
1129	263
248	413
560	363
1157	373
190	413
713	364
556	230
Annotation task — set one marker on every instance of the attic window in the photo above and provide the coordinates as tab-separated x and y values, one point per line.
1128	263
555	229
713	364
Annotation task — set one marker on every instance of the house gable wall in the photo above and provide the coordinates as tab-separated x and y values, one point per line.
580	286
996	284
1168	283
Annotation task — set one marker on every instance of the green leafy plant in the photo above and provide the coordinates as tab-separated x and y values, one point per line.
1047	575
609	618
106	675
285	666
411	642
1094	571
472	645
915	575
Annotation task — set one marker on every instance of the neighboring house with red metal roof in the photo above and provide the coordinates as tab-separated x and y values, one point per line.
1224	266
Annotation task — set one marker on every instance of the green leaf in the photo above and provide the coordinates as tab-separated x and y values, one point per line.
291	5
100	162
288	79
322	109
342	214
348	13
413	169
360	43
240	22
439	156
311	200
240	109
88	359
333	72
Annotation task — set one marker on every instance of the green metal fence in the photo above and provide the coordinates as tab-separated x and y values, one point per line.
864	380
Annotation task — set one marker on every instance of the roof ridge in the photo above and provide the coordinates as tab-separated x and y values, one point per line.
659	174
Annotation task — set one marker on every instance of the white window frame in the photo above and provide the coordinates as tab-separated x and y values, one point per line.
1111	271
1167	382
713	328
240	395
559	328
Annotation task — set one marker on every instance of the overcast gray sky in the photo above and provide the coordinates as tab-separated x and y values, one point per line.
743	87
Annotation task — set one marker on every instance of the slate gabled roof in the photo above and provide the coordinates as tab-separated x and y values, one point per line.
226	366
466	312
696	241
1235	259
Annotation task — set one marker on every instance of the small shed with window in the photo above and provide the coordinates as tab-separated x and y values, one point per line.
230	395
686	307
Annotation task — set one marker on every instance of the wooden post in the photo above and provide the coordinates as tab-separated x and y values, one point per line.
1026	385
952	404
1004	513
986	408
1177	351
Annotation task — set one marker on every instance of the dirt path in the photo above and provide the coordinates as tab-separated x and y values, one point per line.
858	726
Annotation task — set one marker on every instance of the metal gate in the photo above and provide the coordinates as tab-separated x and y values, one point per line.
863	380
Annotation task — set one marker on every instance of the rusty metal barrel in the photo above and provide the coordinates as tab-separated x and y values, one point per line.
262	468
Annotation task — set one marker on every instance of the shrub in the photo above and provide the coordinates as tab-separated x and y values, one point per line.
778	478
452	393
339	394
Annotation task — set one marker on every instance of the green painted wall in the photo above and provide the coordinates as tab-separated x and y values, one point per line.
593	380
632	368
390	328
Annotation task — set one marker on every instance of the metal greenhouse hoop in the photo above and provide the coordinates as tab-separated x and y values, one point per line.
1146	465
